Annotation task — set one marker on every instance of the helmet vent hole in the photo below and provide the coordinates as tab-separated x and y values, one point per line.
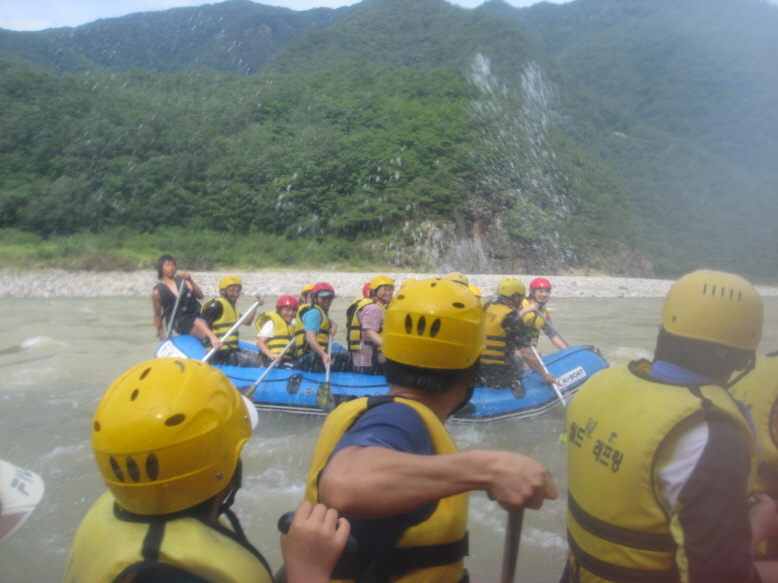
144	373
459	305
723	291
117	470
176	419
400	297
421	326
739	296
433	284
408	324
97	426
152	467
713	291
705	289
134	395
435	328
132	469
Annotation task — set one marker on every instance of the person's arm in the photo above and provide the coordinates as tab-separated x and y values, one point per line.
190	283
701	476
311	323
534	363
763	517
156	302
371	318
373	336
376	482
313	544
310	338
558	342
531	307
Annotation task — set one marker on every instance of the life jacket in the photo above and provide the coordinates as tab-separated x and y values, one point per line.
187	305
617	528
496	339
322	335
759	391
227	320
534	322
432	551
282	334
354	326
111	545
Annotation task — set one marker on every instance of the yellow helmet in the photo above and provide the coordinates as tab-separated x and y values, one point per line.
228	281
167	435
306	288
475	290
457	277
434	323
715	307
380	280
510	286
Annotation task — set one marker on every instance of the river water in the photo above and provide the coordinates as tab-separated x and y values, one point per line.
57	357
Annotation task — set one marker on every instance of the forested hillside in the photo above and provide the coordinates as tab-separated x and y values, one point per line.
426	133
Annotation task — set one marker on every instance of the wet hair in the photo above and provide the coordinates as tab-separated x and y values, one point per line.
431	380
712	360
161	261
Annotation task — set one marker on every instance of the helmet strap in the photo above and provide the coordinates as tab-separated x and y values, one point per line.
236	481
744	372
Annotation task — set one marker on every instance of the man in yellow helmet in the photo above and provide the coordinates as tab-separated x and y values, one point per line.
661	458
388	464
221	314
508	340
167	437
364	324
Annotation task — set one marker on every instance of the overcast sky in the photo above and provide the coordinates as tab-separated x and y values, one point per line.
40	14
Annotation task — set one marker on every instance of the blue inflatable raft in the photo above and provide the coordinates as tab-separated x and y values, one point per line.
302	392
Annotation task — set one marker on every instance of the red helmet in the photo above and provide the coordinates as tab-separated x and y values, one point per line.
366	290
322	288
540	282
287	301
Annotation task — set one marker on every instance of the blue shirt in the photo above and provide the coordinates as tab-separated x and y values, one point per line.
398	427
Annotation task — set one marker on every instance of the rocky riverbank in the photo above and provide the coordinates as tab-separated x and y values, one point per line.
58	283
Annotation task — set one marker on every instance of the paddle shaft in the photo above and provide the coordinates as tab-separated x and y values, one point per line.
548	323
169	330
329	364
272	364
510	553
543	364
212	351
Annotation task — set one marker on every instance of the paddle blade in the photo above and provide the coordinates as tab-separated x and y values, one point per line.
325	400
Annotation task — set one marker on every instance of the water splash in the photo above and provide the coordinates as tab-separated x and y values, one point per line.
521	193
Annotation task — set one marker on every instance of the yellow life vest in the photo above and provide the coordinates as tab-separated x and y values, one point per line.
282	334
108	548
496	339
220	327
759	391
354	326
618	530
443	535
534	322
322	335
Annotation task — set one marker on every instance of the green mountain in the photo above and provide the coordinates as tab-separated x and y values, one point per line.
426	133
236	35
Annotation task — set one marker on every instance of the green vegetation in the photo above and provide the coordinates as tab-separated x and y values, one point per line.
400	132
125	250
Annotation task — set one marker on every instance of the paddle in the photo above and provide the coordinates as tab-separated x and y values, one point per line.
323	394
543	364
169	330
510	552
213	351
554	331
249	391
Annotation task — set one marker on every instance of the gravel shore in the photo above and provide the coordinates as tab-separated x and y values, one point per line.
86	284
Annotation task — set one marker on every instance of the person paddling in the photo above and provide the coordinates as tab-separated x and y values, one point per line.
221	315
388	464
508	340
536	316
314	331
165	300
364	323
275	330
